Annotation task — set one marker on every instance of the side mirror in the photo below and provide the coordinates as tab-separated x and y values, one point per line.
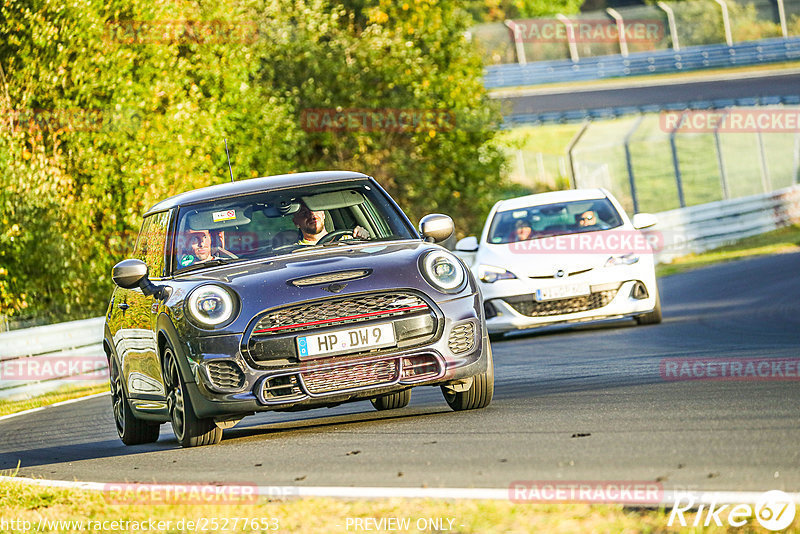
468	244
128	274
644	220
436	227
132	273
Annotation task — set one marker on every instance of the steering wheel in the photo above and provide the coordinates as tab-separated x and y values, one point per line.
338	234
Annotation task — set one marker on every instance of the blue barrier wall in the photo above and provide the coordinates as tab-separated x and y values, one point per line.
641	63
519	119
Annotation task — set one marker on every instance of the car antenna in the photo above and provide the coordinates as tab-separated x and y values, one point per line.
229	158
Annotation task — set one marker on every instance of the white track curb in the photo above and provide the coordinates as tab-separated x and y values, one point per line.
669	498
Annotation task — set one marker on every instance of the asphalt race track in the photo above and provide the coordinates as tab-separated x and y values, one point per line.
573	404
659	93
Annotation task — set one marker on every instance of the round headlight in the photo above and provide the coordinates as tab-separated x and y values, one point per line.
210	305
443	271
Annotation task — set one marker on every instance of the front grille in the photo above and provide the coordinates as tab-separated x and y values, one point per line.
225	374
532	308
462	338
571	273
332	312
351	376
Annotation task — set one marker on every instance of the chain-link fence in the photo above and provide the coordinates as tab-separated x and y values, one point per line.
656	162
536	170
661	26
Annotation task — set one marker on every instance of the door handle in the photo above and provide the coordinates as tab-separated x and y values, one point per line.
123	306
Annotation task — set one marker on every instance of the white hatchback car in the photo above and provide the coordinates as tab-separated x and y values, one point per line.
565	256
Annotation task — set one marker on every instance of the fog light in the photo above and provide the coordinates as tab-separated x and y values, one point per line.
639	291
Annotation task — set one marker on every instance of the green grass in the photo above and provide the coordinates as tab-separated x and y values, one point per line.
32	503
67	393
550	139
599	159
779	241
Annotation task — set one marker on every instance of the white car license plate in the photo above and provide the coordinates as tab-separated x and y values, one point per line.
562	292
344	341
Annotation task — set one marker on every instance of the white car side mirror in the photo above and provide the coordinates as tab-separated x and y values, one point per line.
644	220
467	244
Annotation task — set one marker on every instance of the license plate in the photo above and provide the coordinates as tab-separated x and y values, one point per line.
346	341
562	292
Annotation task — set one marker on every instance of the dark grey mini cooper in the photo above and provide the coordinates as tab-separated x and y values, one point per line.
288	293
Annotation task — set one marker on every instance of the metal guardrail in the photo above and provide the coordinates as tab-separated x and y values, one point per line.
45	358
642	63
705	226
614	112
29	357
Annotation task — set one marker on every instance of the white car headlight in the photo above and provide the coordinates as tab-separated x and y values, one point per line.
490	274
210	305
624	259
443	271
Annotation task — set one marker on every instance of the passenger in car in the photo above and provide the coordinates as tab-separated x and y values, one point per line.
522	231
204	245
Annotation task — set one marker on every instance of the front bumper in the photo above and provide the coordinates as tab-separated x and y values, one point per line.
290	384
616	292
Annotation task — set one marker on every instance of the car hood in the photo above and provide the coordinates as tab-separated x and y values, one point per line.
267	283
536	262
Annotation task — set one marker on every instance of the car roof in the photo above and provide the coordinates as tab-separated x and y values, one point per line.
551	197
254	185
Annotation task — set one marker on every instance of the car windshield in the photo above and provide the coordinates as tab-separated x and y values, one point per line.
553	219
267	224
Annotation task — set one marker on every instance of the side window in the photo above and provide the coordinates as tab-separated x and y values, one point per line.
151	242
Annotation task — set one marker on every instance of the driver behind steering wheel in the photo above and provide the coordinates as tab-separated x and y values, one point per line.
312	226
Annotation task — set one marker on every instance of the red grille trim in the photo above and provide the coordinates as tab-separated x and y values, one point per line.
359	316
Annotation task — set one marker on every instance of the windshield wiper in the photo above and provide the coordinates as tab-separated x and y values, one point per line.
209	263
340	242
347	241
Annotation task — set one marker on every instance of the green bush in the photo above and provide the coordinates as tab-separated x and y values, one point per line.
110	105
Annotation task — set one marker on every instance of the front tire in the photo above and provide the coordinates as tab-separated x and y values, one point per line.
392	401
653	317
479	395
131	431
190	430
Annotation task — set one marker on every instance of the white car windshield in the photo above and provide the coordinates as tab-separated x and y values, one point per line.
561	218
